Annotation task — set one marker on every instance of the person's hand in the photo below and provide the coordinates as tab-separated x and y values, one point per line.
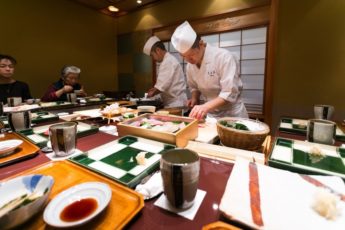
151	92
191	103
199	112
67	88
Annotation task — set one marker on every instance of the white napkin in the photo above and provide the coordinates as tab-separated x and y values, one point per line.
152	187
110	129
286	199
188	213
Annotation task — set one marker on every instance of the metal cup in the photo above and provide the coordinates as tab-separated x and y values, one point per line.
72	97
63	138
323	111
180	173
321	131
19	120
14	101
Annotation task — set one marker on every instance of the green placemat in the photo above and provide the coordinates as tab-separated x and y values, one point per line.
296	156
117	159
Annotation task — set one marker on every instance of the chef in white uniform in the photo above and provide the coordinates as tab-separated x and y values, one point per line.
170	84
211	72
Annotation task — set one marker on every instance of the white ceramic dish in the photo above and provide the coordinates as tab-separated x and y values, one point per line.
33	189
9	146
99	191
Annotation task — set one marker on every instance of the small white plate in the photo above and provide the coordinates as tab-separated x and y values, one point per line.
99	191
7	147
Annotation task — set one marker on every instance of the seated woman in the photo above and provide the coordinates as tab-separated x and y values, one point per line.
9	87
68	83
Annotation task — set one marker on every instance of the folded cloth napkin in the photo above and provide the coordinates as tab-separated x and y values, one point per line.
152	188
268	198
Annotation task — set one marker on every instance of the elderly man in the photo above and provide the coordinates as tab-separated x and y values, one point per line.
68	83
9	87
170	82
211	72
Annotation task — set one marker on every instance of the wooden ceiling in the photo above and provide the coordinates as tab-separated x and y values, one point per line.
124	6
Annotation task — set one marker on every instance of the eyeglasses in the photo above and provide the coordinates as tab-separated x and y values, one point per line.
9	66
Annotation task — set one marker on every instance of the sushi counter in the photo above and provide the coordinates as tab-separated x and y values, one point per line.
108	136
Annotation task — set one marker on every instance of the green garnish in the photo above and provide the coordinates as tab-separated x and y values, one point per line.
234	125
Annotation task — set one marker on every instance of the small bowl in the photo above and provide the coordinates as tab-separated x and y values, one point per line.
98	191
9	146
17	187
146	109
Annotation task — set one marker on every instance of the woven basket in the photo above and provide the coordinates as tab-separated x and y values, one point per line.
242	139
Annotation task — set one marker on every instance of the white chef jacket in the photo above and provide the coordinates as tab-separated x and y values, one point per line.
171	82
218	76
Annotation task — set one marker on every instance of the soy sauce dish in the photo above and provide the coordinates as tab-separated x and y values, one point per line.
77	205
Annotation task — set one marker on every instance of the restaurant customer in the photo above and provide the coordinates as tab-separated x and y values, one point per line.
211	72
170	84
68	83
9	87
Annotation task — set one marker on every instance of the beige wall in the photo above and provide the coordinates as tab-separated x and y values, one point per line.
173	11
310	63
45	35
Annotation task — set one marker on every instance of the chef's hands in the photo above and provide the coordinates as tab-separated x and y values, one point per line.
192	102
199	111
152	92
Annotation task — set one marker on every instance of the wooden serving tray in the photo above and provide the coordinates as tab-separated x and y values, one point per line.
117	159
24	151
38	136
179	138
295	156
124	205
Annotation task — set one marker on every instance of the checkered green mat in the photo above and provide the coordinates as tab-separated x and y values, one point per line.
39	135
117	159
299	126
307	157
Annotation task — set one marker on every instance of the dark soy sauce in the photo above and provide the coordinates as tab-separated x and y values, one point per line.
79	210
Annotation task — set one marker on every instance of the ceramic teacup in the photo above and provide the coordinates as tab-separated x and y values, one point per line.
63	137
14	101
180	173
323	111
321	131
19	120
72	97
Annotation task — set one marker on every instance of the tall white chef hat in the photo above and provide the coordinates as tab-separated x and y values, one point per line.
183	38
149	43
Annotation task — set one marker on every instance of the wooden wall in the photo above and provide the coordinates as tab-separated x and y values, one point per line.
45	35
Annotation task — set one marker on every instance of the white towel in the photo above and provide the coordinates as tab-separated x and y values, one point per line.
286	199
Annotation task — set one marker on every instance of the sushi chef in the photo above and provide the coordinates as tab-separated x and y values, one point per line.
170	84
213	73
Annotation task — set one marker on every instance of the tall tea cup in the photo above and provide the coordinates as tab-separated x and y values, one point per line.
14	101
323	111
19	120
72	97
321	131
63	138
180	173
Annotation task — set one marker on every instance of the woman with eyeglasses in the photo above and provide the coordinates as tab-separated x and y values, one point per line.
68	83
9	87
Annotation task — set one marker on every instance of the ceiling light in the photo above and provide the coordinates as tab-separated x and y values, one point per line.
139	1
113	9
